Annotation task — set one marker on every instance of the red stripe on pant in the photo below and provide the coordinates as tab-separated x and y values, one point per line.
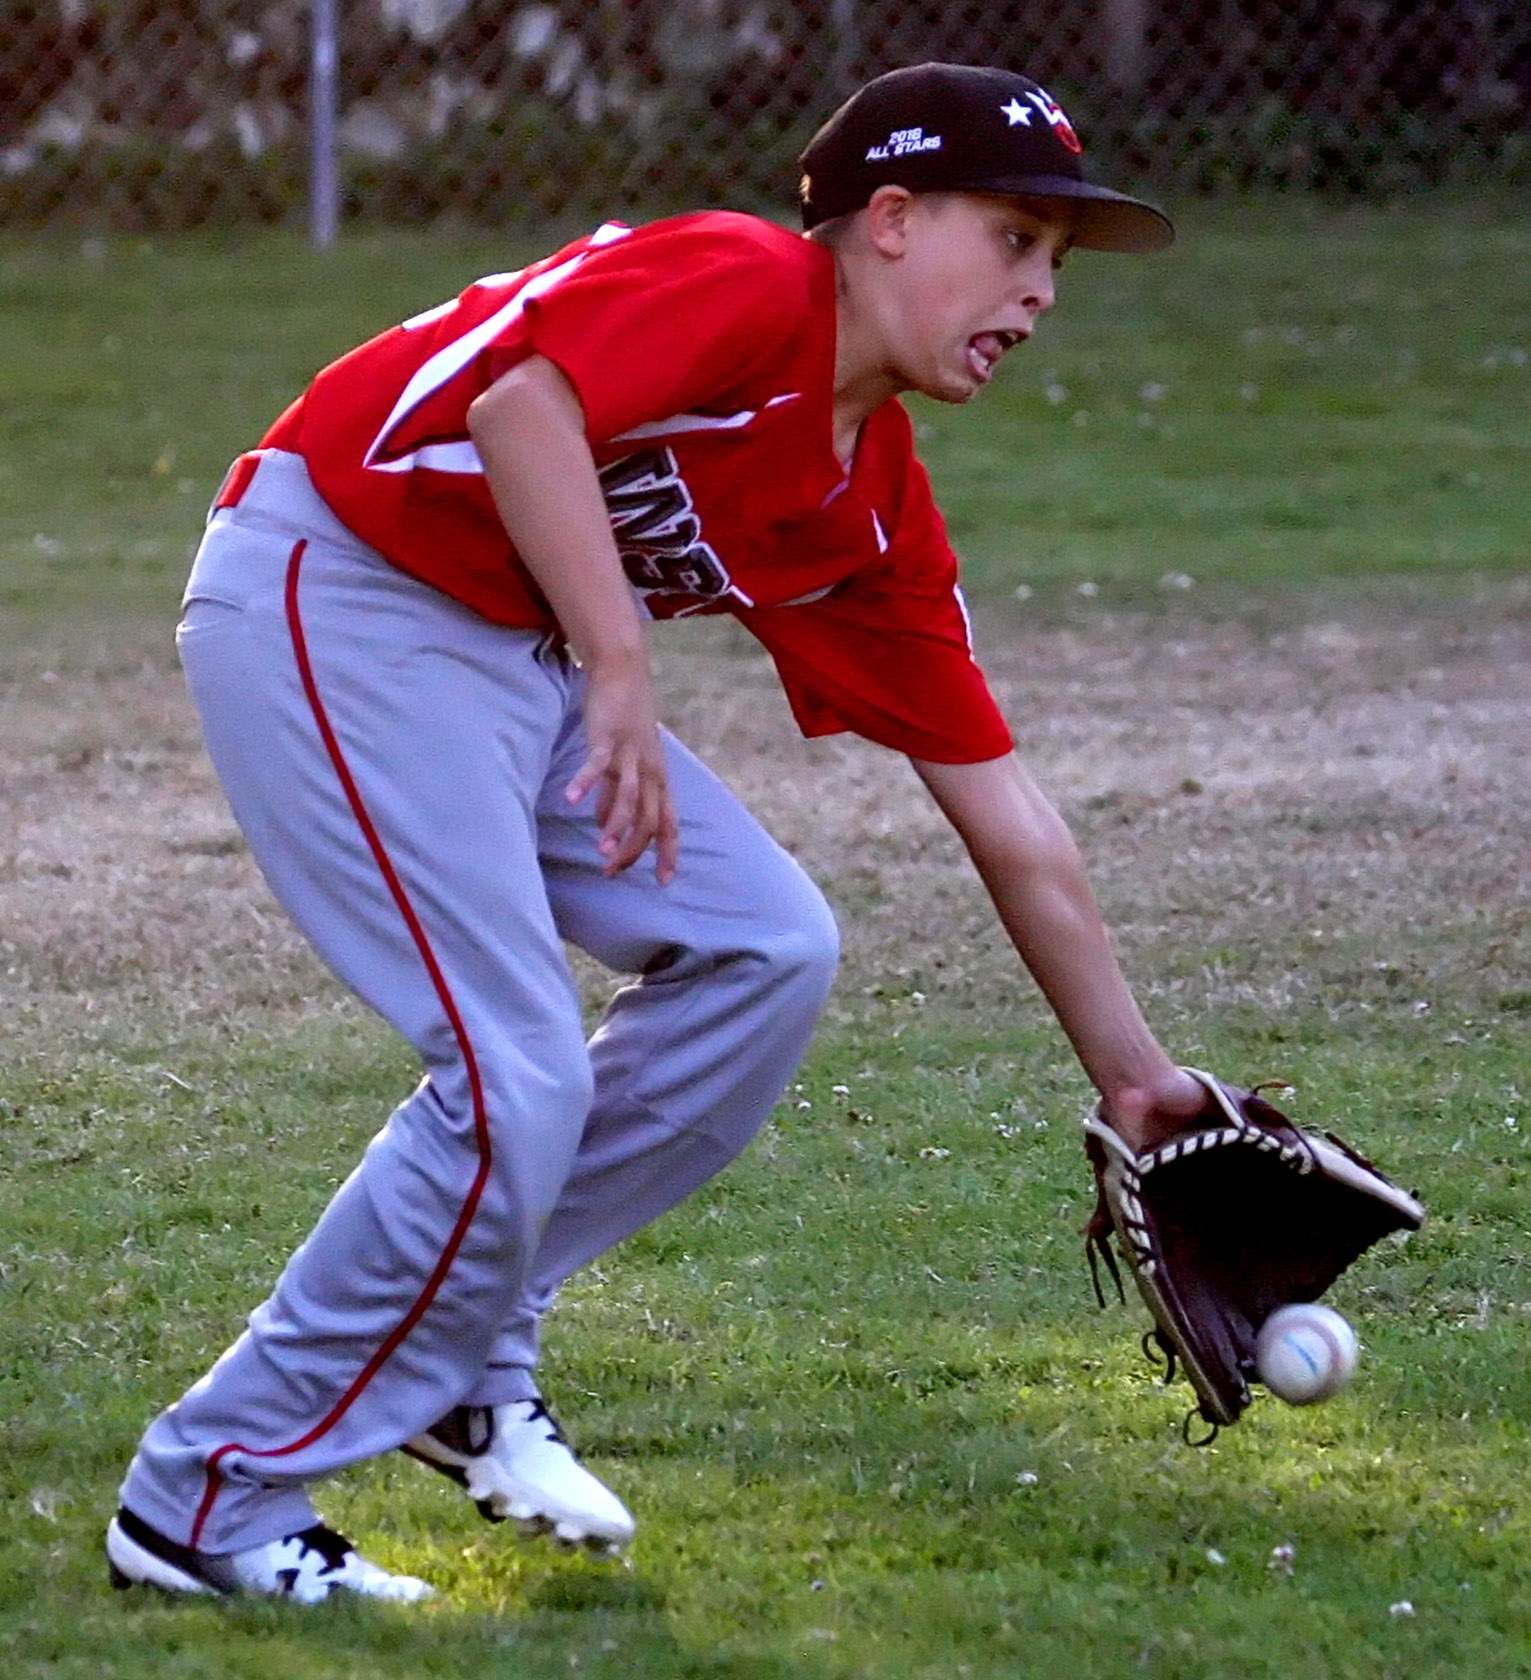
459	1031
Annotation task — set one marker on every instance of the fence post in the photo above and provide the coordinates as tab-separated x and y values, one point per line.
323	178
846	50
1126	30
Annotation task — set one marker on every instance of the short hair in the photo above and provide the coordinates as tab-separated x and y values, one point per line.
833	232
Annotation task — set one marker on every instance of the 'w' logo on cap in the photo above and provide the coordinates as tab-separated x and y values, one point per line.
1053	111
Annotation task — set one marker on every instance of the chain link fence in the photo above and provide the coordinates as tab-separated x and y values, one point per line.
159	114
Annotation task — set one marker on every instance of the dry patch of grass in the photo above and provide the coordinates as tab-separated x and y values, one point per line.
1251	802
1258	808
855	1383
125	890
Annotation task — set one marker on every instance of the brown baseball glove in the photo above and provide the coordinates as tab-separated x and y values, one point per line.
1237	1215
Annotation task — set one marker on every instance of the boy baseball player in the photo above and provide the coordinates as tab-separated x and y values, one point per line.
414	634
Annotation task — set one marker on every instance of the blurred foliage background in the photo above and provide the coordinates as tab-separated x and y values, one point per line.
152	115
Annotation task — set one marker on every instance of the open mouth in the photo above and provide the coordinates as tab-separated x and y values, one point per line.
984	350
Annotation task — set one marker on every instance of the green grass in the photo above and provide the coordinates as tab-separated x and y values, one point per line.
1290	395
1281	398
827	1385
857	1390
137	370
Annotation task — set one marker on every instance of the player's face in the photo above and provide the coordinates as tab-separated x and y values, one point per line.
975	275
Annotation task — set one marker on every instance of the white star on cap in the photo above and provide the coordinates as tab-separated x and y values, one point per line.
1016	111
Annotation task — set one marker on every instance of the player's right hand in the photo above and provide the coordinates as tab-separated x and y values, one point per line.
1148	1115
625	765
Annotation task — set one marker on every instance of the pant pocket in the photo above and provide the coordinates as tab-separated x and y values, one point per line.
206	612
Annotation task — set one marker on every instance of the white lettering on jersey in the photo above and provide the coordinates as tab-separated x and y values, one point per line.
658	534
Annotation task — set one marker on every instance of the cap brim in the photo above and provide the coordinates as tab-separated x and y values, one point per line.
1103	220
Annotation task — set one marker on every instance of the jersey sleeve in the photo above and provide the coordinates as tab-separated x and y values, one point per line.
888	654
673	320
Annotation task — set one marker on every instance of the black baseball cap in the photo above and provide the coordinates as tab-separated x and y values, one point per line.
967	128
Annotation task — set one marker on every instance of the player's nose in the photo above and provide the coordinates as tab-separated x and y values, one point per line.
1036	290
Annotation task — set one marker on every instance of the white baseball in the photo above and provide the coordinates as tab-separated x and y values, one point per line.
1305	1353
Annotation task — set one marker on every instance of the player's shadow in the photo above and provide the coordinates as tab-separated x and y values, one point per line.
593	1589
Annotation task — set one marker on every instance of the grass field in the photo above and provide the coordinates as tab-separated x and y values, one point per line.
1264	505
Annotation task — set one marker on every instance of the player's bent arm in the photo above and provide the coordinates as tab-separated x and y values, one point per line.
1026	857
529	430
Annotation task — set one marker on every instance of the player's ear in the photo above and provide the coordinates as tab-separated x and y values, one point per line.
887	219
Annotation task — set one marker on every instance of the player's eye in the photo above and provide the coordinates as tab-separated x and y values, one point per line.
1020	240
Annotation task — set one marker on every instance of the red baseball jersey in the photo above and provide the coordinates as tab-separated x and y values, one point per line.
702	350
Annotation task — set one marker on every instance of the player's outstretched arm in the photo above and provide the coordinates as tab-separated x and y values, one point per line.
1027	859
529	429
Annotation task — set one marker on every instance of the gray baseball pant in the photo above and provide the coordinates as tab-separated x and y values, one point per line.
397	764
